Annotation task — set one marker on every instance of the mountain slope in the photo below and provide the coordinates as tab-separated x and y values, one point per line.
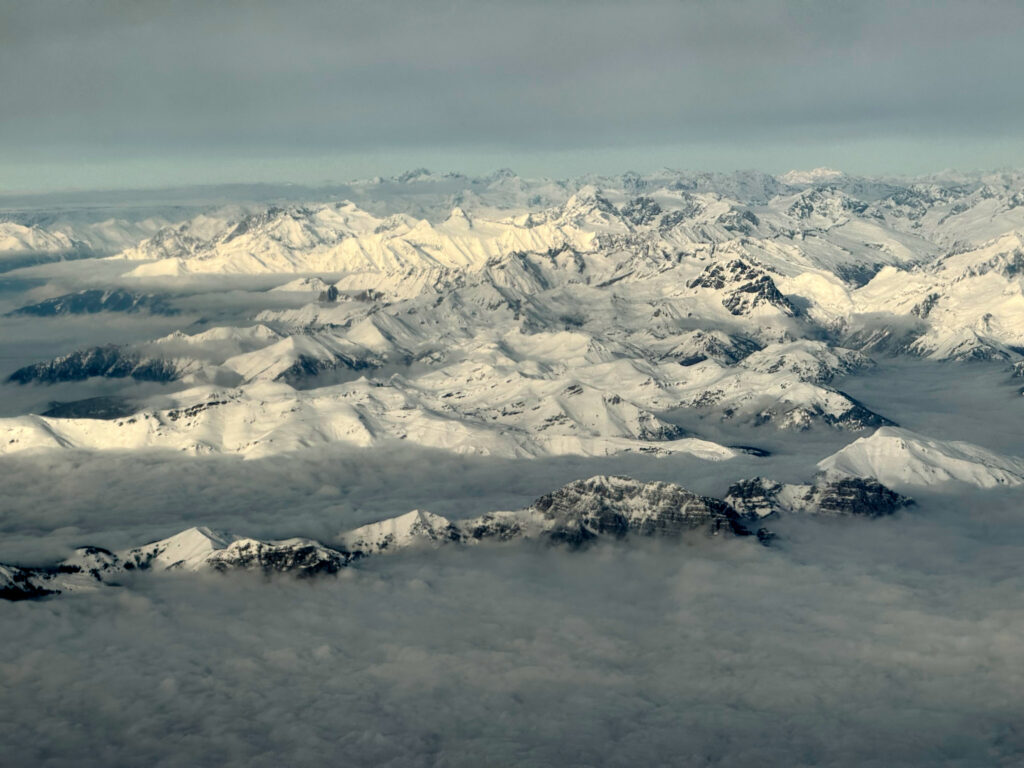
899	457
94	300
266	419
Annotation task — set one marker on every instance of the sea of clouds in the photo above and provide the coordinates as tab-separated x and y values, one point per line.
868	643
896	642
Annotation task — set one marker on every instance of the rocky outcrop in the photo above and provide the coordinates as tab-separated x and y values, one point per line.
619	506
698	346
111	361
759	497
300	557
856	416
97	300
22	584
102	407
746	287
641	210
577	514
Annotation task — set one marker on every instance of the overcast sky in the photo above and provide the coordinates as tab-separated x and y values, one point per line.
133	92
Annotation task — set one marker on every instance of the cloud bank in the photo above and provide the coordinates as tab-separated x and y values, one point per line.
886	643
238	86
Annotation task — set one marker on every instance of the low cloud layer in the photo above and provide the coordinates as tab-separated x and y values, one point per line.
892	642
853	643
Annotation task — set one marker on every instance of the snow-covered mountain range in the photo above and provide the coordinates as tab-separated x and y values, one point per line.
585	511
562	321
522	319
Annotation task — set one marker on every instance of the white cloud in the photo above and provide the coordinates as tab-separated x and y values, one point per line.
889	643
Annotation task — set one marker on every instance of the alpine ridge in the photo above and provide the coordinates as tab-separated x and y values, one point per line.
582	512
523	318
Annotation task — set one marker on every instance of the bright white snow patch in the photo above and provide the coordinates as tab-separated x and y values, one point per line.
898	457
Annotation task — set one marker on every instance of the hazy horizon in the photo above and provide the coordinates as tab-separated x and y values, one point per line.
113	96
393	170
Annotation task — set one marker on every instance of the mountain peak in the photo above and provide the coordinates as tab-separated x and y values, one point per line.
414	174
813	176
896	456
401	531
459	217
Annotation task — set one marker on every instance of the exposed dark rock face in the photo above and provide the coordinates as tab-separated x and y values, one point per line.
691	207
330	295
757	291
641	210
412	529
194	410
755	498
92	408
858	275
303	560
95	300
254	221
926	305
90	567
717	346
89	564
109	361
96	563
584	205
897	339
752	450
815	365
983	351
901	338
617	506
844	497
21	584
1009	265
654	431
495	527
306	366
174	241
802	418
859	416
739	222
863	497
575	515
748	287
825	202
